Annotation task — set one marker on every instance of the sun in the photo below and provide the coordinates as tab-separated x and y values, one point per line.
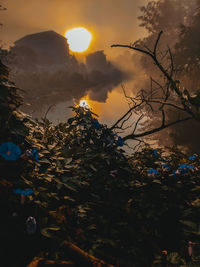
78	39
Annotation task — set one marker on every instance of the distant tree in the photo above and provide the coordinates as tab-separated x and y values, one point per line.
180	61
170	95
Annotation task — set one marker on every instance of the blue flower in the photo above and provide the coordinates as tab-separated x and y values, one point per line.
152	171
120	141
165	166
193	157
155	153
184	168
35	154
96	124
10	151
26	192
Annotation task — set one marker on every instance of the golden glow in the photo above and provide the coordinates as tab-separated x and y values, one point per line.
83	103
78	39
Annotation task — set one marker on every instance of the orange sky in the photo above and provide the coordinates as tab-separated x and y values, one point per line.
110	21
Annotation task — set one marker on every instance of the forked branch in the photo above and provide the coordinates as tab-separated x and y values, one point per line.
169	76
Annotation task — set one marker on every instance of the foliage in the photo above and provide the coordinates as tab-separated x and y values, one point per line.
81	187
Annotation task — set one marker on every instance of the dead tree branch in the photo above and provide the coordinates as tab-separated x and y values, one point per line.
172	83
155	130
125	115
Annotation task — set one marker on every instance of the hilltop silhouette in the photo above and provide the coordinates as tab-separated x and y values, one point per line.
43	48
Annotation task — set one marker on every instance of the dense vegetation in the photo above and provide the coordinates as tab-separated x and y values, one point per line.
71	185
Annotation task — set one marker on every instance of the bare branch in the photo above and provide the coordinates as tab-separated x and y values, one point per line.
124	116
155	130
49	108
156	43
163	118
167	104
136	124
172	62
159	85
128	97
134	48
172	82
137	145
125	120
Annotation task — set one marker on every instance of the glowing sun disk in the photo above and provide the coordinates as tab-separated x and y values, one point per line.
78	39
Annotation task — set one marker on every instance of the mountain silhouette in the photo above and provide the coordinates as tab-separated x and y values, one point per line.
43	67
43	48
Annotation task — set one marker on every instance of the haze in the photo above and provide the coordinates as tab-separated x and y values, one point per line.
110	20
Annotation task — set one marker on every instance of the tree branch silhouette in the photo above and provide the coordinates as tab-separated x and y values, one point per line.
173	84
143	100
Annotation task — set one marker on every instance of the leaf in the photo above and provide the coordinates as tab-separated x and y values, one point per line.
189	224
68	160
40	145
48	178
50	147
53	228
45	152
93	168
70	188
157	181
69	198
45	161
47	231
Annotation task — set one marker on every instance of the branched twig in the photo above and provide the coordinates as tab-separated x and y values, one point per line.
156	43
125	120
49	108
172	82
133	136
124	116
148	99
136	124
167	104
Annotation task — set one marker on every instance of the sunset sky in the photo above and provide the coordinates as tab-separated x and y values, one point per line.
110	21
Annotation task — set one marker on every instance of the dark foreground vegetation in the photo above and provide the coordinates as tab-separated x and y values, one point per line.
70	196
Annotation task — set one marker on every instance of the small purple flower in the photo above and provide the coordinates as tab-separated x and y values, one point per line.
28	152
113	173
9	151
31	225
153	171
